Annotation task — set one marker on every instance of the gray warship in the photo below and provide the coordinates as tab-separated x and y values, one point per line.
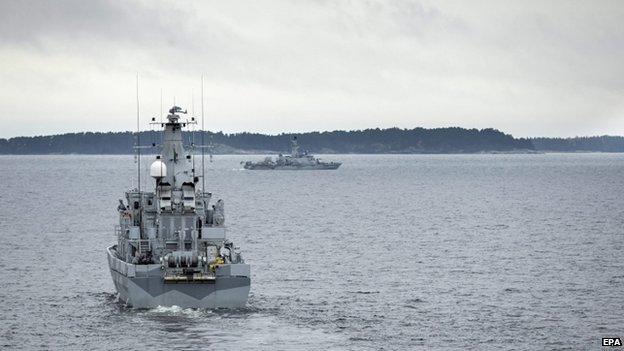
171	246
295	161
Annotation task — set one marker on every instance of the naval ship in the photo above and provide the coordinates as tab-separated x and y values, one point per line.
295	161
171	246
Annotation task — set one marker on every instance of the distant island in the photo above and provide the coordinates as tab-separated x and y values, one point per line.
368	141
603	143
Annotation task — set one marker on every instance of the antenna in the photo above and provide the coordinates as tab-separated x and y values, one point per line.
193	129
193	146
161	117
211	147
192	103
138	135
203	131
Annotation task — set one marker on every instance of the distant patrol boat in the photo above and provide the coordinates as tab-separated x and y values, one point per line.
171	244
295	161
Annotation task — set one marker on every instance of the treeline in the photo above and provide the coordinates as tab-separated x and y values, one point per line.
588	144
372	141
392	140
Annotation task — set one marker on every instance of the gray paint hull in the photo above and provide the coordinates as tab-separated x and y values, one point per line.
147	289
325	166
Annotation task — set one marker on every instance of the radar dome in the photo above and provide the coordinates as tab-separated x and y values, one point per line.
158	169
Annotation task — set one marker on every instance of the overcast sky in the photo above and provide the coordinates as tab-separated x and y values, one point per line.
542	68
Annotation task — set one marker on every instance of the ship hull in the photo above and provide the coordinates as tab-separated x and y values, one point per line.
143	286
322	166
258	167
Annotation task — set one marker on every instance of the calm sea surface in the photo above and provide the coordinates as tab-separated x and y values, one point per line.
388	252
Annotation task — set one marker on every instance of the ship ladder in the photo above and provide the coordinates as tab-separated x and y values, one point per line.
144	246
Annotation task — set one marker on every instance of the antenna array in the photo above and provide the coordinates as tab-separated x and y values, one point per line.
138	144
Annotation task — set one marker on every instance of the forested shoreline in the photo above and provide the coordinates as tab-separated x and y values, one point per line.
368	141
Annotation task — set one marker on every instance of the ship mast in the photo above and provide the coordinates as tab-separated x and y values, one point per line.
193	130
203	131
138	145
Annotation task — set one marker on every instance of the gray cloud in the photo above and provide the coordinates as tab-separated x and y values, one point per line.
34	22
530	68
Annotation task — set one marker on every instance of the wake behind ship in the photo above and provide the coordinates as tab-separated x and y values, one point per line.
171	243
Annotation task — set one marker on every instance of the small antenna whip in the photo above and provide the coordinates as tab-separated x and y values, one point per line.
193	127
138	135
162	132
211	147
203	131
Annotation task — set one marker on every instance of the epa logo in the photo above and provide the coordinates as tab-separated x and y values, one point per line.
611	342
